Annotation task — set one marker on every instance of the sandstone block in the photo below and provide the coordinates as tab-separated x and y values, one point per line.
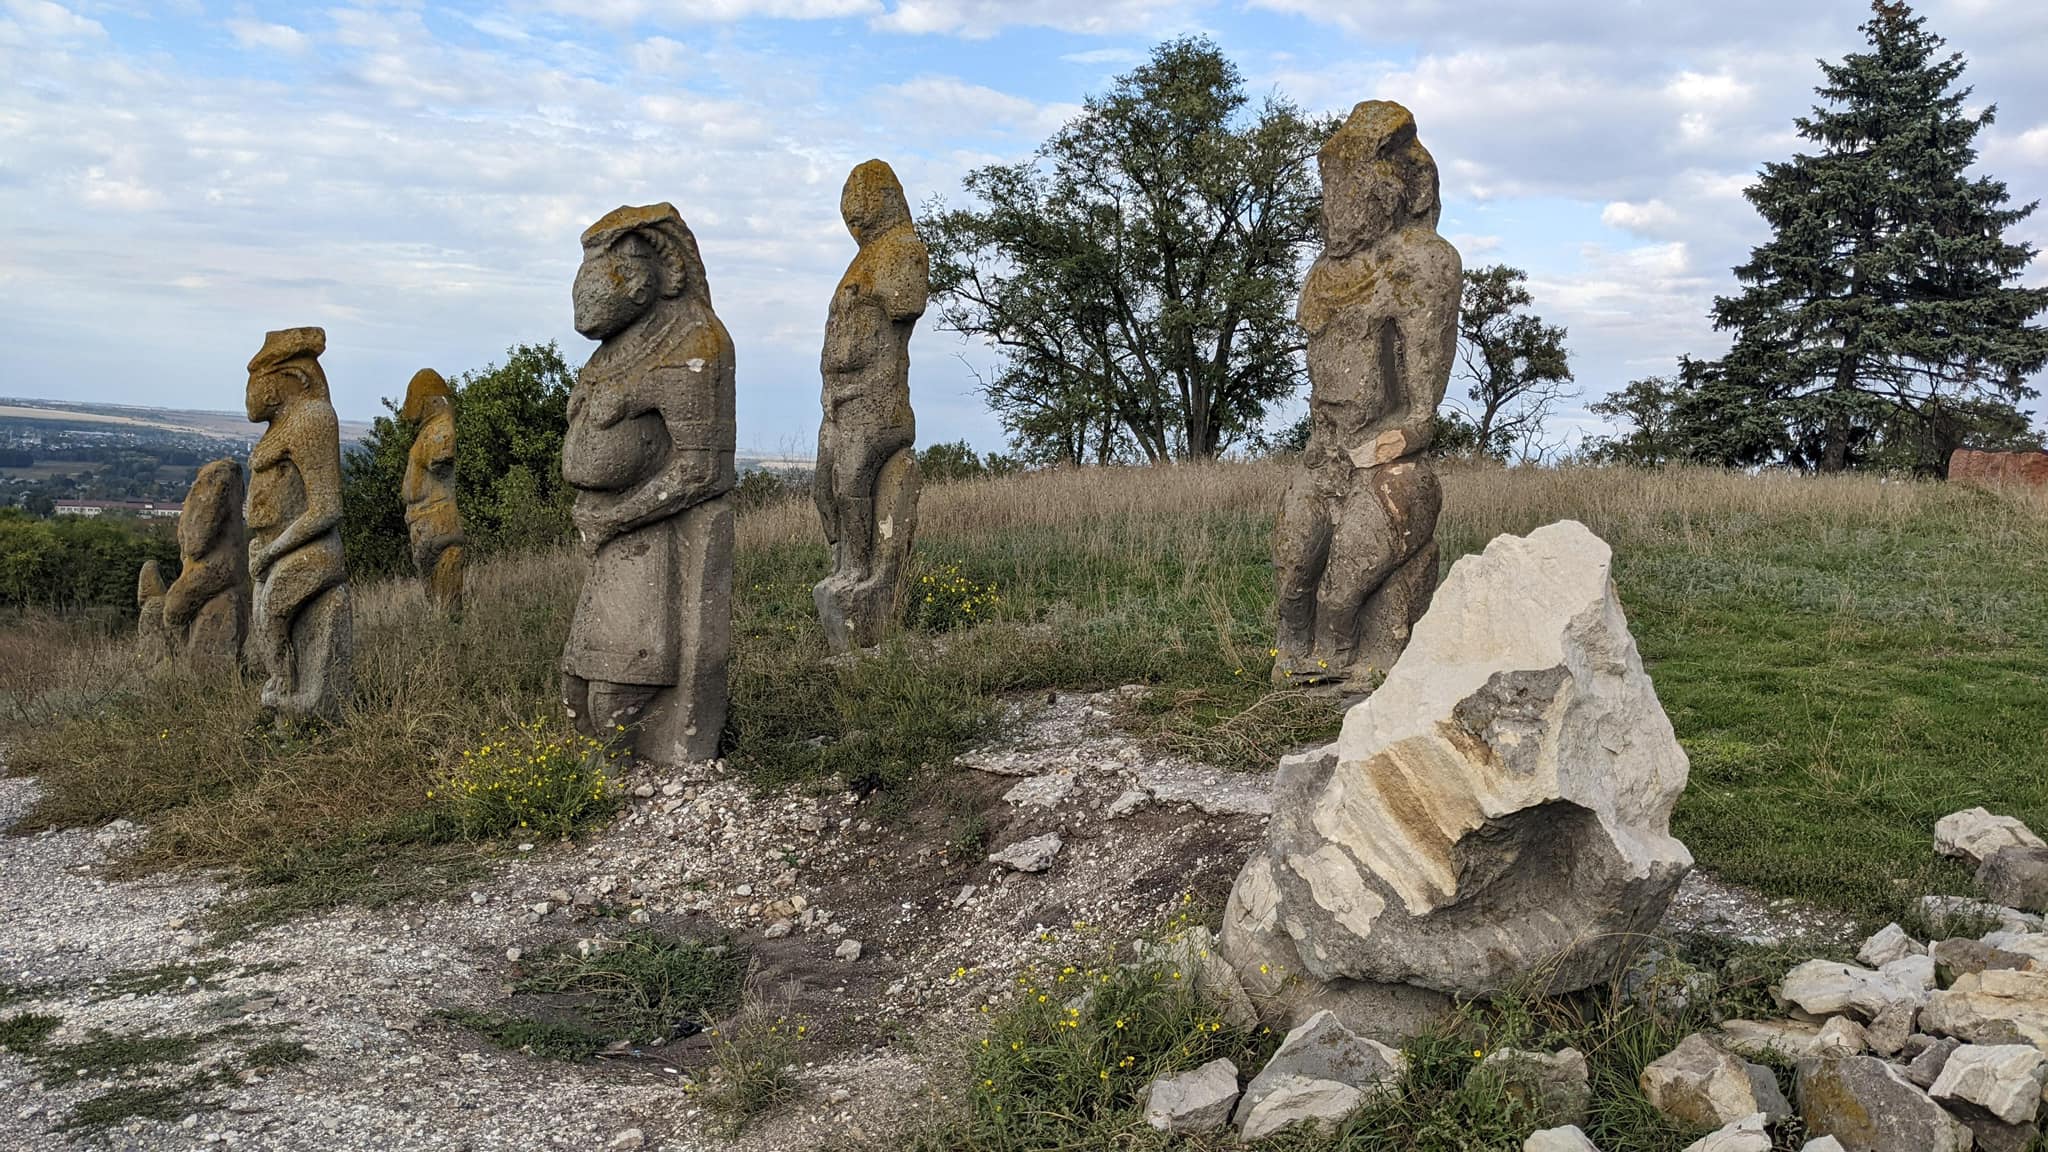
1870	1106
1995	1006
1999	1081
2017	877
1697	1083
1975	833
1498	807
1196	1101
1998	469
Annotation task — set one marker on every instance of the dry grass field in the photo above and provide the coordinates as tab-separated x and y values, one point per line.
1846	659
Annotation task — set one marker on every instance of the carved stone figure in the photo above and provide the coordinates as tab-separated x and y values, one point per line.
1355	546
303	626
152	639
866	480
207	607
649	451
431	518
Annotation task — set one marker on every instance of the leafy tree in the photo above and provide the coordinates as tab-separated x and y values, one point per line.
953	460
1886	301
1514	365
509	423
1647	437
1138	273
75	563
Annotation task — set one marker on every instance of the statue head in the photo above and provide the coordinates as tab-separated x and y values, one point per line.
872	201
149	584
1377	178
215	496
634	258
427	387
287	367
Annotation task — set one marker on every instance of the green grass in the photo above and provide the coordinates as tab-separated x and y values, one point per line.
26	1032
644	987
540	1038
167	1102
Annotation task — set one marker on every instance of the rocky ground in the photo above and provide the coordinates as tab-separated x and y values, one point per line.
1123	835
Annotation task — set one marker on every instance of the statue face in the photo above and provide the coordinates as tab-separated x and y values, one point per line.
614	287
266	392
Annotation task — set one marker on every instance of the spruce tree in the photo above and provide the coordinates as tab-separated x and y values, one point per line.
1887	297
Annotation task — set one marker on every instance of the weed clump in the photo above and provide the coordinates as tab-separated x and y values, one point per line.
643	987
754	1061
533	779
943	599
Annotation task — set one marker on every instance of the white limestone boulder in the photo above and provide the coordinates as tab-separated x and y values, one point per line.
1499	807
1996	1081
1196	1101
1975	833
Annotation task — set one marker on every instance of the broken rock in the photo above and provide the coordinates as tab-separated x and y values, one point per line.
1032	855
1499	806
2017	877
1974	834
1697	1083
1998	1081
1744	1135
1196	1101
1565	1139
1870	1106
1553	1087
1302	1082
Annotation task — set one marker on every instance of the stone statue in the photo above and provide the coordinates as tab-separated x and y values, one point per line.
207	607
304	630
152	639
866	479
1355	546
431	518
649	451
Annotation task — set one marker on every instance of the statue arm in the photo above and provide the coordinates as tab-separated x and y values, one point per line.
694	472
320	475
199	582
907	287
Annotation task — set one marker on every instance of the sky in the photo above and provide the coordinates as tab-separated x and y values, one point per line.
178	177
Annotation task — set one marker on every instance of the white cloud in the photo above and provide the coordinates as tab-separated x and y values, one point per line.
255	35
711	11
1650	218
44	18
949	106
986	17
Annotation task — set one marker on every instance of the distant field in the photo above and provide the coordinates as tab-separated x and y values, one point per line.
1845	659
173	421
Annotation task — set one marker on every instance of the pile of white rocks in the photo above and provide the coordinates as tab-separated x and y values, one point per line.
1319	1074
1937	1046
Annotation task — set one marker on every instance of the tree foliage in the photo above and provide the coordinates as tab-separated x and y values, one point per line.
72	563
509	424
1514	365
1646	437
1885	310
1138	274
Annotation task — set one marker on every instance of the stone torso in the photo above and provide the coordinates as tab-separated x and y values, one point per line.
1367	315
866	359
617	433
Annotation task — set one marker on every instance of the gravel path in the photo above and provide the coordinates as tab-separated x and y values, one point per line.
793	876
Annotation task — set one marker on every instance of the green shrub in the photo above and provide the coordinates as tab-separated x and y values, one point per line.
942	599
531	779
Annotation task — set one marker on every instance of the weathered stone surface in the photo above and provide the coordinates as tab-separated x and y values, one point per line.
1823	1144
1825	988
1498	807
1892	1027
1194	953
1841	1036
2017	877
206	609
1785	1038
1045	791
2000	1081
1354	549
866	480
1744	1135
1995	1006
153	646
1298	1101
1870	1106
433	521
2031	948
1302	1081
1031	855
1554	1087
1887	944
1998	469
1697	1083
1566	1139
302	623
1196	1101
1973	834
649	451
1957	958
1997	1136
1925	1067
1939	909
